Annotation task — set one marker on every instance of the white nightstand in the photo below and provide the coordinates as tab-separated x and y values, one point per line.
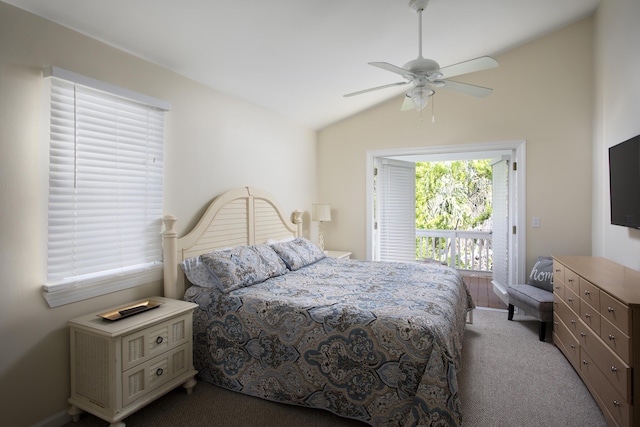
338	254
117	367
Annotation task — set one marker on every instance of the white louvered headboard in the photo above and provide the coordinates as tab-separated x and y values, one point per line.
243	216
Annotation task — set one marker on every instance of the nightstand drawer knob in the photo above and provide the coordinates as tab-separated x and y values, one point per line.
159	340
159	371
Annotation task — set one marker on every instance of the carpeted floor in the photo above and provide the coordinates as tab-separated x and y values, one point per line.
508	378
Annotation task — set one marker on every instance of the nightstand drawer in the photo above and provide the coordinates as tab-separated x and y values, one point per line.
142	379
147	343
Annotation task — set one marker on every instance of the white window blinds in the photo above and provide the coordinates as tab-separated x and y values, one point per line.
500	235
396	204
105	192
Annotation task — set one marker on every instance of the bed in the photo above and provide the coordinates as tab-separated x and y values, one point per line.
378	342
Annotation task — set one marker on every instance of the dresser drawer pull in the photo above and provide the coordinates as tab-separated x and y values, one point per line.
573	346
159	340
582	334
555	323
570	280
616	403
587	315
159	371
614	369
558	270
570	299
584	362
587	293
610	309
573	322
611	337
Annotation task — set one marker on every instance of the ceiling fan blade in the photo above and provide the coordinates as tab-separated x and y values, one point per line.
394	69
375	88
470	66
467	89
407	104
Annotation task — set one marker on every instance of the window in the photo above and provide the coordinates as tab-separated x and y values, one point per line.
105	188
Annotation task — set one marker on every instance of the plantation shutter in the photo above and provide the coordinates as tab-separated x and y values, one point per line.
500	216
105	191
396	204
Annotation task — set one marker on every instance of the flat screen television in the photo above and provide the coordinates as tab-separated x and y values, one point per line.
624	183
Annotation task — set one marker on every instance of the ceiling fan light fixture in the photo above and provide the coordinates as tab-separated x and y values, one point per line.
420	97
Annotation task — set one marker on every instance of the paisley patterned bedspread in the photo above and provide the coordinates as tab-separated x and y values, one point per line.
375	341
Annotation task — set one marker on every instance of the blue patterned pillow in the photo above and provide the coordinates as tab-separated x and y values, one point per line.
298	253
243	266
198	274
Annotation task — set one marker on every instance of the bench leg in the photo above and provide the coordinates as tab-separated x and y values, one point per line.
510	316
543	330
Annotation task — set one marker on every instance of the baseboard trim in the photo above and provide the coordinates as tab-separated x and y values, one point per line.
56	420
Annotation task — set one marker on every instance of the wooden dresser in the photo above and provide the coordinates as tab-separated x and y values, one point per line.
596	317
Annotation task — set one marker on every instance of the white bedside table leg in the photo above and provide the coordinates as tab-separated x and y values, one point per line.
189	385
75	413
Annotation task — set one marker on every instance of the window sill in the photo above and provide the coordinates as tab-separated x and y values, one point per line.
74	294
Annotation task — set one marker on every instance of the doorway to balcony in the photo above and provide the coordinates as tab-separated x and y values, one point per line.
504	245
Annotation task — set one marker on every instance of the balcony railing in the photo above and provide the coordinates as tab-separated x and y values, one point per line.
464	250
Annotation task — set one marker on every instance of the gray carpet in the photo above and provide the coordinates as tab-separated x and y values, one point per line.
508	378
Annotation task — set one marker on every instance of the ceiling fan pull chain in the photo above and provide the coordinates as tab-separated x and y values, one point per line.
433	114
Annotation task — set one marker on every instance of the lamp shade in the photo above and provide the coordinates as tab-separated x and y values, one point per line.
321	212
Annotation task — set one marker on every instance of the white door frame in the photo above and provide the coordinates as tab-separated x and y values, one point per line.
517	188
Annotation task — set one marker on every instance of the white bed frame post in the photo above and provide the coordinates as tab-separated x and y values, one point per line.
296	218
170	241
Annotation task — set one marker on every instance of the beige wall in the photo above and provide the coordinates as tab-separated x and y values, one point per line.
542	94
616	119
213	143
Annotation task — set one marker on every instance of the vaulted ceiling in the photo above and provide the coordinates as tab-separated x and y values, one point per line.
299	57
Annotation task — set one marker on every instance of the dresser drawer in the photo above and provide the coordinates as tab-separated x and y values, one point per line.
617	372
568	343
590	293
148	343
590	316
558	288
572	281
616	340
141	380
558	272
615	312
565	314
572	300
586	336
614	403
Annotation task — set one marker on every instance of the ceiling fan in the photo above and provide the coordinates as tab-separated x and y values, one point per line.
426	75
